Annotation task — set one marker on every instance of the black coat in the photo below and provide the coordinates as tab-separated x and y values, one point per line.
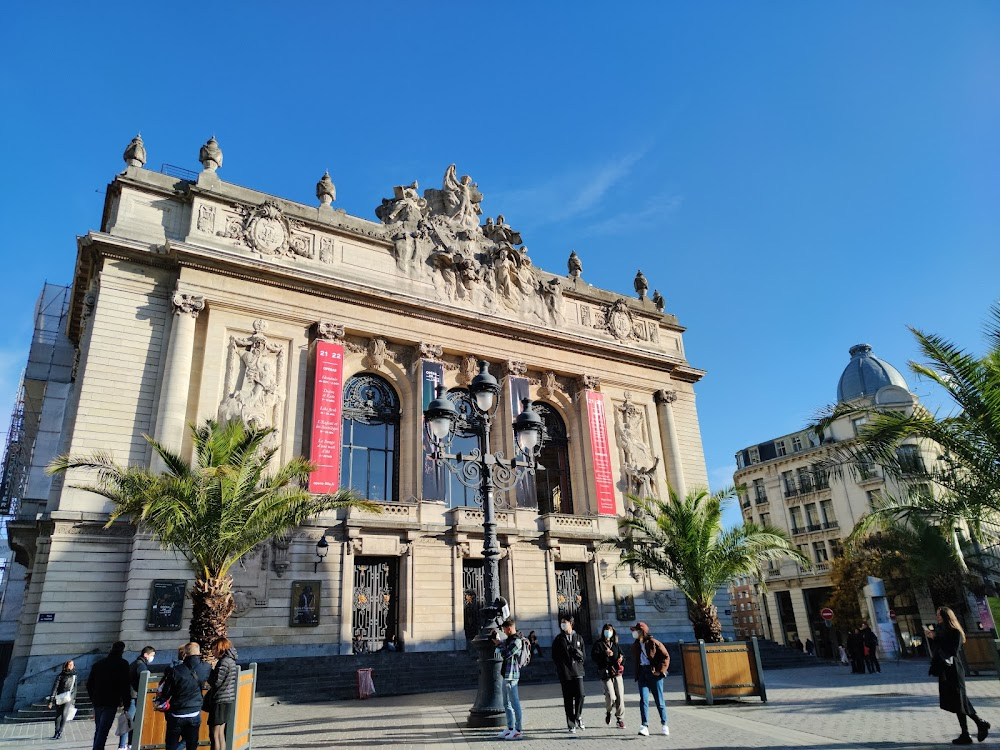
64	681
182	686
567	653
222	683
607	664
947	644
108	683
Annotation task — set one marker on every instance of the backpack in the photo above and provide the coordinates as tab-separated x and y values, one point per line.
524	659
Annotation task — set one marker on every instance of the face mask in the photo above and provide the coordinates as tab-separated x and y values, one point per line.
564	626
608	634
635	635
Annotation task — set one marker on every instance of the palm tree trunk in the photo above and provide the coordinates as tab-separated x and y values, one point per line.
705	619
211	605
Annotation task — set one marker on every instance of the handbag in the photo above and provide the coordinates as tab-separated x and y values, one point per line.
124	724
208	701
937	667
71	712
64	697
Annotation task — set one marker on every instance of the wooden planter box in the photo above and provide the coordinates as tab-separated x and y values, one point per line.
722	670
981	653
149	726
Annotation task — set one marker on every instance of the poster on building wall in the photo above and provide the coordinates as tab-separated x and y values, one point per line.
325	443
525	488
604	484
166	605
305	603
431	376
624	603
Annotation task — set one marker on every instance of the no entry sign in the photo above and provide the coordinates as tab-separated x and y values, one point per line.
826	613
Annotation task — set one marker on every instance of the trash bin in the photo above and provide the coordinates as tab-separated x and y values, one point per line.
366	686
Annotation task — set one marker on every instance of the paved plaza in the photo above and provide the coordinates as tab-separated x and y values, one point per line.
824	707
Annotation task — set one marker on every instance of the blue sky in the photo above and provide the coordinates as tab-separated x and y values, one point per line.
793	177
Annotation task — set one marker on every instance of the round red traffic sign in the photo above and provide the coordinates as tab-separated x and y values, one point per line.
826	613
892	615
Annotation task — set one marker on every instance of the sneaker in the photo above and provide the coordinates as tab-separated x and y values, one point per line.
644	730
982	730
579	724
505	734
607	718
962	739
572	729
515	735
665	730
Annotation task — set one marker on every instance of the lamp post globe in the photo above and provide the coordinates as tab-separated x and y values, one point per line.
484	388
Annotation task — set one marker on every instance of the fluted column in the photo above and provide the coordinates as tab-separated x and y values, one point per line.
172	409
668	435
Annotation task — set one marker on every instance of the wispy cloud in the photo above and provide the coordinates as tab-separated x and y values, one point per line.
721	477
569	194
658	208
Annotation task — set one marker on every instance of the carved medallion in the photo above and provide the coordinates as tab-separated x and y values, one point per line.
618	321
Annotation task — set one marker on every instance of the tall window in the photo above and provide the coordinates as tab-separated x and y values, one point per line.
796	514
552	485
371	438
819	552
463	441
909	459
759	492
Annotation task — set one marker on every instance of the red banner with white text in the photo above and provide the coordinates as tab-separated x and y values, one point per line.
328	385
603	480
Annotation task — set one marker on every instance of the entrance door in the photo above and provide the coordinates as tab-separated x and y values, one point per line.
376	598
571	596
473	596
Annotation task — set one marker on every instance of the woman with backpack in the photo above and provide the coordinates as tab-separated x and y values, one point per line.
608	657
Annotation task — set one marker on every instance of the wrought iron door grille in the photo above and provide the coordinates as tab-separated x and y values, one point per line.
571	596
375	599
473	596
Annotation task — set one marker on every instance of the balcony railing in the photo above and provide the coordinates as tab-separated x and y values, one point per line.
814	527
760	499
831	525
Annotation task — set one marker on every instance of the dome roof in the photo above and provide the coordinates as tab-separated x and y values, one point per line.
865	374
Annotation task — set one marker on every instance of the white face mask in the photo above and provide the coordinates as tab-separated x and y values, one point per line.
635	635
564	626
608	634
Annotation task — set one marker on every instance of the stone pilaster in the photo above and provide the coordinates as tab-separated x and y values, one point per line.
668	436
172	409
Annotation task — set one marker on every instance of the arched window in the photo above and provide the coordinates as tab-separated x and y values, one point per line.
552	486
371	438
464	441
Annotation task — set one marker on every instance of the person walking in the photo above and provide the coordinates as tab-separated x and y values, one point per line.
856	651
650	662
181	689
108	688
607	655
510	672
948	664
870	643
567	653
221	691
63	697
135	670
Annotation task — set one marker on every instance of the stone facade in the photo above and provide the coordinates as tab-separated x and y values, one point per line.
199	299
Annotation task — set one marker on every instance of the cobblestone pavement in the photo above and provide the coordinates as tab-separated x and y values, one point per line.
824	707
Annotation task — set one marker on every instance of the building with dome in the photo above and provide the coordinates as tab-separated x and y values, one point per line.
788	484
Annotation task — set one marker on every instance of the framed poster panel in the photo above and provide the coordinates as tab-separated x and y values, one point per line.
166	605
624	603
305	604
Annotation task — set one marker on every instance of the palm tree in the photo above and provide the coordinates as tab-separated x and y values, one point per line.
215	511
683	540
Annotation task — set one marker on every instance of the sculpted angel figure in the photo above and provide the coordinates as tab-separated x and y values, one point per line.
462	199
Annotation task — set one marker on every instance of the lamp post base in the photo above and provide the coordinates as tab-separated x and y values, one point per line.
488	710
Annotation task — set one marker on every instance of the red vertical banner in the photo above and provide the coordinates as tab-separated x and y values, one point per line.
328	385
603	478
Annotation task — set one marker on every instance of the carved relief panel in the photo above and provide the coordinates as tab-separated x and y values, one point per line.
634	441
255	380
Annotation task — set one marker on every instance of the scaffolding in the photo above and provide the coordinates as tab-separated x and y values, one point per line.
50	359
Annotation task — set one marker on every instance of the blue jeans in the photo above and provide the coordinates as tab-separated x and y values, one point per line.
126	739
512	704
104	719
647	681
182	731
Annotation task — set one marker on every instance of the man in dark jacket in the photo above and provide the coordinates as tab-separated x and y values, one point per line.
650	662
567	652
182	687
108	687
870	642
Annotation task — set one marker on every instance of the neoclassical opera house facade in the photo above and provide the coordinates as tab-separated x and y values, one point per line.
200	299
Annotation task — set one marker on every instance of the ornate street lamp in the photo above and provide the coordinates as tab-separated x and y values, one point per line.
486	473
